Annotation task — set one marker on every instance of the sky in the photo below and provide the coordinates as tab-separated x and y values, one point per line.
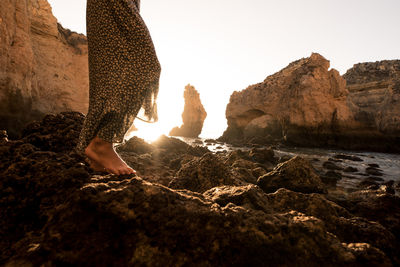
221	46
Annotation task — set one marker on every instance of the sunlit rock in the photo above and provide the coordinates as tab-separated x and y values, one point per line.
375	90
43	67
308	104
302	100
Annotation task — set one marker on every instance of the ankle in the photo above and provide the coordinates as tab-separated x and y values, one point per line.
100	143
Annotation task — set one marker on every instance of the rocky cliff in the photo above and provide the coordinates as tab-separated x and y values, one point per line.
302	100
309	104
193	115
375	90
43	67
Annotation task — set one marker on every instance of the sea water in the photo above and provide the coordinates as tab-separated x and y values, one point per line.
389	164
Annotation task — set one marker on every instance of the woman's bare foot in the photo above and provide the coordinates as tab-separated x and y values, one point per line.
97	167
104	154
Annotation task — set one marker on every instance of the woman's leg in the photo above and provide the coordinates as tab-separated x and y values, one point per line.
122	64
103	153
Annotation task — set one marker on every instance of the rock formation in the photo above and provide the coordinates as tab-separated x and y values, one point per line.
43	67
295	174
56	211
193	115
307	104
375	90
303	100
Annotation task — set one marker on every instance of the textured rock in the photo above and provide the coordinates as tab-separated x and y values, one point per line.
138	223
58	133
303	103
158	162
295	174
375	205
43	67
309	105
375	90
55	211
193	115
339	221
202	174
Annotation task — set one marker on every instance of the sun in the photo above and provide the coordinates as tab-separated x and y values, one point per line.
147	131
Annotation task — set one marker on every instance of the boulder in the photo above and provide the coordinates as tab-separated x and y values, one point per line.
136	145
204	173
296	174
193	115
43	67
331	178
331	166
58	133
350	169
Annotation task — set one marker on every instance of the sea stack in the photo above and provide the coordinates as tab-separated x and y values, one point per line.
193	115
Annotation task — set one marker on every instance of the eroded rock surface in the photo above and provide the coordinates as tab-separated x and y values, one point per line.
204	173
193	115
295	174
375	90
309	104
56	211
337	219
43	67
303	102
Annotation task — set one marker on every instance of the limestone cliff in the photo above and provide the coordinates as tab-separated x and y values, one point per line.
375	90
302	100
307	104
43	67
193	115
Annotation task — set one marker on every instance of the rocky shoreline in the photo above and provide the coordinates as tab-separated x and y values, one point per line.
187	206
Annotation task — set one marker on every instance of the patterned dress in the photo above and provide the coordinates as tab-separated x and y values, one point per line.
124	70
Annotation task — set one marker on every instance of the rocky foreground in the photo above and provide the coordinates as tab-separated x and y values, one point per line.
188	206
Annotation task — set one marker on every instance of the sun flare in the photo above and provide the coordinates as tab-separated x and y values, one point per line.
148	131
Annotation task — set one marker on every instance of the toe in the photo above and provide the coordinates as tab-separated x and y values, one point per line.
113	171
123	171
